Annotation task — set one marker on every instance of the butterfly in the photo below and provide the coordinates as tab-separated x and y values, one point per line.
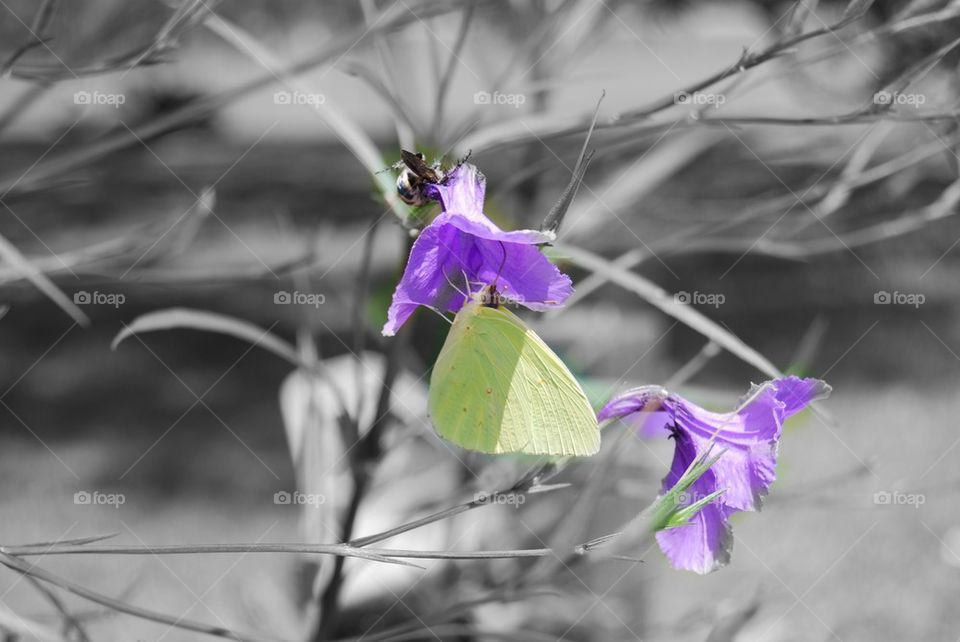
498	388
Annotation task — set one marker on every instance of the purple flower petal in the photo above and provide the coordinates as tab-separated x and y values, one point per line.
461	195
748	439
422	279
796	393
642	399
642	408
522	274
703	544
461	251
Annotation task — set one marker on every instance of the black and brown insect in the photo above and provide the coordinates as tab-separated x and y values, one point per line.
414	175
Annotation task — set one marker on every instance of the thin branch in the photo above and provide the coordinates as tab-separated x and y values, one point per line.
405	131
69	620
527	483
22	103
384	555
361	289
19	565
362	463
747	61
340	550
447	613
554	218
37	29
452	63
84	155
638	121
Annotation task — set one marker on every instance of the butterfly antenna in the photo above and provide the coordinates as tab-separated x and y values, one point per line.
452	285
503	262
439	314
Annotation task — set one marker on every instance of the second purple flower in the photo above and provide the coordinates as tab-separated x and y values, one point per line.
746	441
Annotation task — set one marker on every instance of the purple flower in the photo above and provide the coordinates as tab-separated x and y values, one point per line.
747	438
462	250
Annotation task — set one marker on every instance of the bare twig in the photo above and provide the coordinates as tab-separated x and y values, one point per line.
69	620
554	218
340	550
527	483
19	565
38	28
452	63
362	462
82	156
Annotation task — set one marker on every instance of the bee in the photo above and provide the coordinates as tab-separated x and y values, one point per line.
415	174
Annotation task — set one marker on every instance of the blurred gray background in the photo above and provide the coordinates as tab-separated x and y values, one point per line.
791	206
